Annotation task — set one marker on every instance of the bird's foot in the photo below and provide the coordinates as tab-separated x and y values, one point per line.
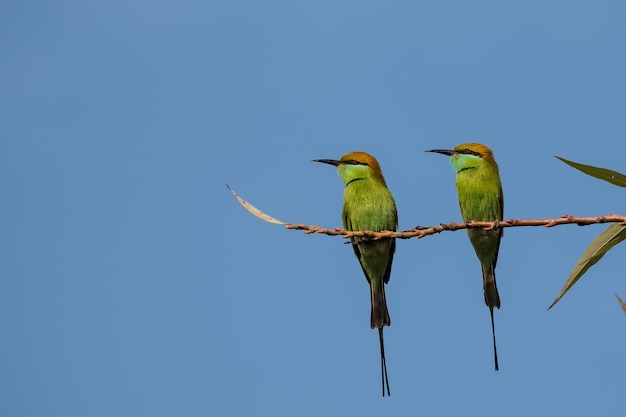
494	226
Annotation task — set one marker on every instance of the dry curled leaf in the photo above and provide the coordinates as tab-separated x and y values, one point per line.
255	211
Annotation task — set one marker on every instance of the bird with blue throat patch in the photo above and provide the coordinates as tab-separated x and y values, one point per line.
480	199
369	205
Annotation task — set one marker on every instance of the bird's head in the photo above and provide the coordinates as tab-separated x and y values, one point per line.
356	165
468	156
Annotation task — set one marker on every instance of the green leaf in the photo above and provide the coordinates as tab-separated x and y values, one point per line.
623	304
613	177
613	235
255	211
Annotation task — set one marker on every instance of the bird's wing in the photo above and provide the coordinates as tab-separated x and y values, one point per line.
392	250
349	225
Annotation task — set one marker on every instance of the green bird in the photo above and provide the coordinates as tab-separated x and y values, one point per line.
368	205
480	198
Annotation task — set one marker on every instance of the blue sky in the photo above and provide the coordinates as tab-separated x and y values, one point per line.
132	283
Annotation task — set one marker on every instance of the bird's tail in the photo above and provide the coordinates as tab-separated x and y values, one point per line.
492	299
383	363
378	319
380	315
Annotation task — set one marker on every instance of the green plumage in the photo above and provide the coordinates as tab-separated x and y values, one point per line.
368	205
480	199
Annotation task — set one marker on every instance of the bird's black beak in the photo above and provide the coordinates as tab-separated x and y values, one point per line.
443	151
329	161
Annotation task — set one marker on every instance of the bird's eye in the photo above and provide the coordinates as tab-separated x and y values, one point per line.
353	162
468	151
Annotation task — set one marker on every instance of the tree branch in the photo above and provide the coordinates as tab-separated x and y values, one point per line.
419	232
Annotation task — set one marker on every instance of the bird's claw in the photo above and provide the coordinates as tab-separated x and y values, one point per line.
494	226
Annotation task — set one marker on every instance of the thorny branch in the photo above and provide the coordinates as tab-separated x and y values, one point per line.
419	232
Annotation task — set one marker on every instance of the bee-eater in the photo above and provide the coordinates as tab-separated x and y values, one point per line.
368	205
480	198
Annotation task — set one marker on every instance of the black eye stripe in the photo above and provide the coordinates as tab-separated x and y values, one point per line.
470	152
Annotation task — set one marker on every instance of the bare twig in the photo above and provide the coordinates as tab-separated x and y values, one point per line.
419	232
